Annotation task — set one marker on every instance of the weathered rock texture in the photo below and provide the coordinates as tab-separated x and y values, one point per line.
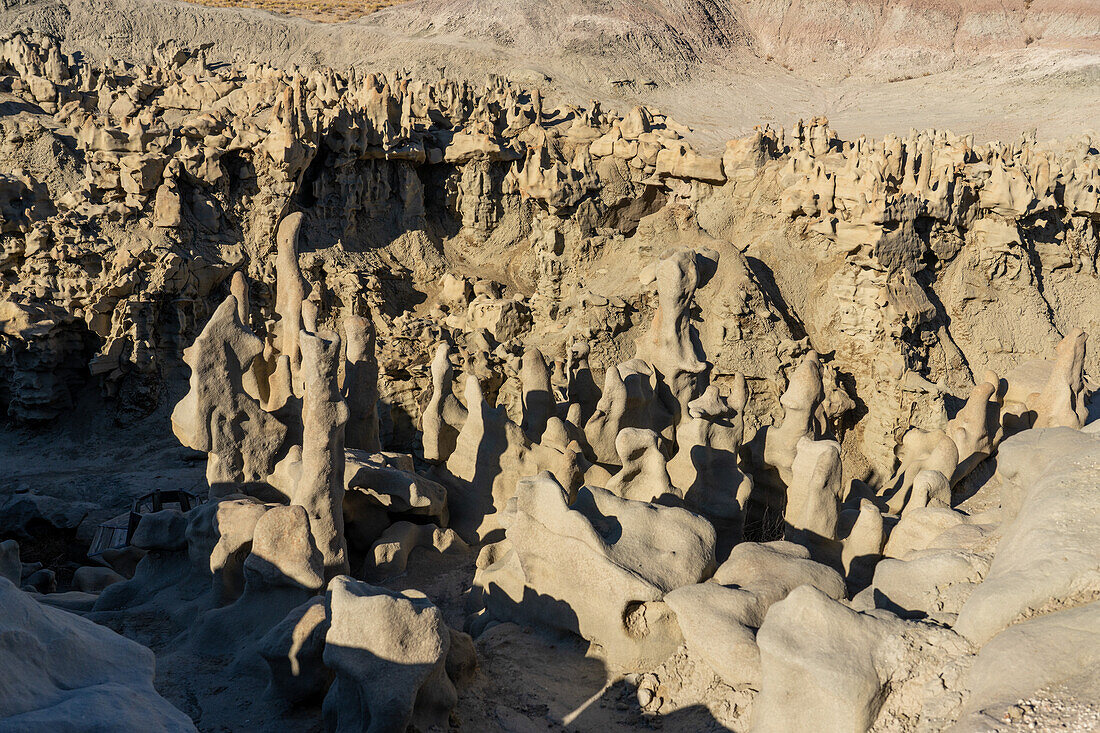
751	427
60	668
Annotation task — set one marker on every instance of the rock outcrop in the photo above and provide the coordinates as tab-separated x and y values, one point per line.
747	430
61	668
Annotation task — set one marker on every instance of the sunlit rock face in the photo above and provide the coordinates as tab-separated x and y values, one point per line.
486	398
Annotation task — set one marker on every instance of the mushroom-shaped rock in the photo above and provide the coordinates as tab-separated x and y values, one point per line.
388	652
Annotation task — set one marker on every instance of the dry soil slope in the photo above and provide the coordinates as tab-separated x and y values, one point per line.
655	36
846	36
607	38
914	36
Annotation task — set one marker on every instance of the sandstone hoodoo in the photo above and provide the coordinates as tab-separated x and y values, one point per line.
504	410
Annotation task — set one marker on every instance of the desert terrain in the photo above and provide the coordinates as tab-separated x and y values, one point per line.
565	365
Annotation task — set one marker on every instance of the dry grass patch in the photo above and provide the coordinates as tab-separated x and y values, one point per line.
326	11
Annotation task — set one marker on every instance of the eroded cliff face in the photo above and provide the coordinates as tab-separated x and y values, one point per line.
489	217
727	422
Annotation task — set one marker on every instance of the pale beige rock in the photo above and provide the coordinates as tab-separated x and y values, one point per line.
219	535
360	385
629	400
320	485
293	650
1056	650
1061	403
486	217
826	666
238	288
291	290
919	527
930	488
706	466
928	582
538	395
388	652
920	451
388	482
813	494
165	530
862	548
672	344
491	455
217	416
444	414
1053	481
644	475
581	389
281	569
283	549
390	554
800	402
719	618
617	604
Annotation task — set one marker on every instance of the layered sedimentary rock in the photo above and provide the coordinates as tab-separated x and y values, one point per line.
892	233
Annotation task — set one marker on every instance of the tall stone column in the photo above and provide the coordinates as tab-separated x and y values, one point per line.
320	487
361	384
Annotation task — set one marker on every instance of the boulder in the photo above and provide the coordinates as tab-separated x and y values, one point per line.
389	653
163	530
1050	480
10	565
91	579
1059	649
41	581
719	618
293	650
827	667
390	554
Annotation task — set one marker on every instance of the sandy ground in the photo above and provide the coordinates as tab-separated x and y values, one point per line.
97	462
1053	93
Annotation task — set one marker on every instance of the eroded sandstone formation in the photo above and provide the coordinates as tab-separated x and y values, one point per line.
803	432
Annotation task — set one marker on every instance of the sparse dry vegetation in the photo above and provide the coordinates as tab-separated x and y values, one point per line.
327	11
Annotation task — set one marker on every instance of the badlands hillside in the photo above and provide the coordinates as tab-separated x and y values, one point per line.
995	69
560	365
